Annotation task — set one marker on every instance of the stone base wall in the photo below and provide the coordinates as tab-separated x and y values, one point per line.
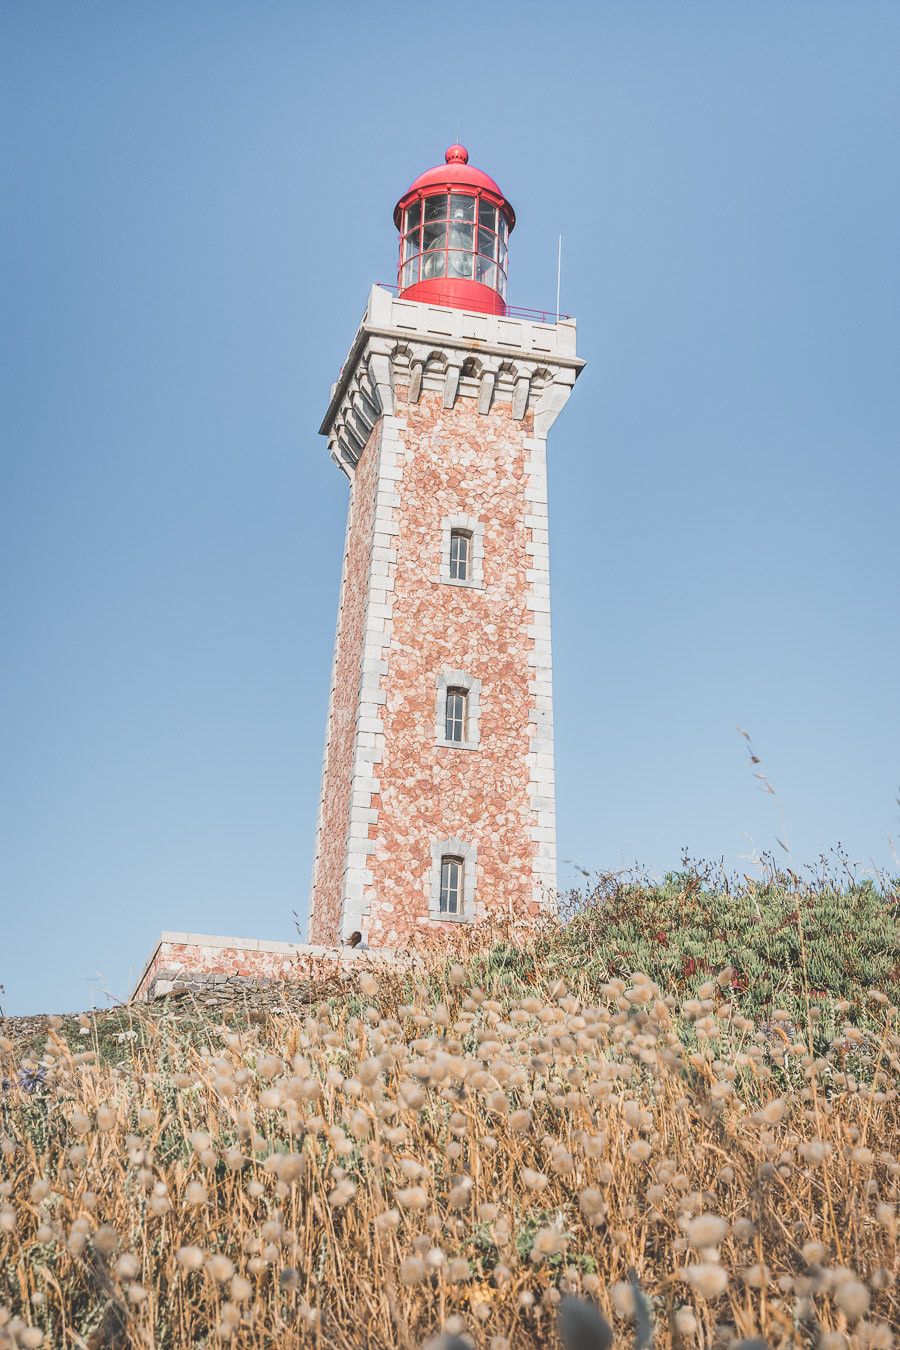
200	963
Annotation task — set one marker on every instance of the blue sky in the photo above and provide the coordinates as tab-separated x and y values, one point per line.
198	197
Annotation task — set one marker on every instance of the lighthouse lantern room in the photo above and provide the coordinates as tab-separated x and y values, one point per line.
454	225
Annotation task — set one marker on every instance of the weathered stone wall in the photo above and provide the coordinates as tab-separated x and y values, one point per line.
200	963
337	770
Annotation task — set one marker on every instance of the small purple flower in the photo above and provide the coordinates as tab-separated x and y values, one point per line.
29	1080
32	1080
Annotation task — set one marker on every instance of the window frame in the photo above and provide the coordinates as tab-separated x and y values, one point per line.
456	714
448	888
460	682
456	850
474	528
457	534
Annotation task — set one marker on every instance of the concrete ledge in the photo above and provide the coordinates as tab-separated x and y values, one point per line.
241	944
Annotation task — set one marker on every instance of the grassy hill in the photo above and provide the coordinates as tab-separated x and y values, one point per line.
695	1080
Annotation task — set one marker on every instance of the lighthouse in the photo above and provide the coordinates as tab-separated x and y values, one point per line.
437	804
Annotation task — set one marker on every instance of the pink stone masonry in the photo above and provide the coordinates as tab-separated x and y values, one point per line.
450	462
456	461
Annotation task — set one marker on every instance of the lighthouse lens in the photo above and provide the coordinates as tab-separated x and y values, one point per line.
460	265
435	235
433	265
462	236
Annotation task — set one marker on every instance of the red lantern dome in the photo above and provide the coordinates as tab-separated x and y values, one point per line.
454	223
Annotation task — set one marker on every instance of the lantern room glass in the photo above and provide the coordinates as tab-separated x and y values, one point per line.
456	235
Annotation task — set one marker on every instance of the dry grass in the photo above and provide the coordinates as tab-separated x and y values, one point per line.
414	1157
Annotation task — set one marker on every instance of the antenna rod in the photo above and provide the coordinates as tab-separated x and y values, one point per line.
558	274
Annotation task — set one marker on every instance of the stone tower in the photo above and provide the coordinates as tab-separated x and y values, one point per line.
437	803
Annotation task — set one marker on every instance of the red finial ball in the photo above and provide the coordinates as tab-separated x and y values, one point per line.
457	154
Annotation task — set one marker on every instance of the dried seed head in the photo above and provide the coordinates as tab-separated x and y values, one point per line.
458	1270
105	1240
686	1322
592	1201
535	1181
707	1230
106	1119
708	1278
621	1296
412	1270
191	1257
342	1194
773	1111
412	1197
852	1297
220	1268
127	1266
196	1193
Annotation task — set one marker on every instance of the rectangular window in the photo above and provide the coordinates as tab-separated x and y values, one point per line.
460	555
456	715
451	885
